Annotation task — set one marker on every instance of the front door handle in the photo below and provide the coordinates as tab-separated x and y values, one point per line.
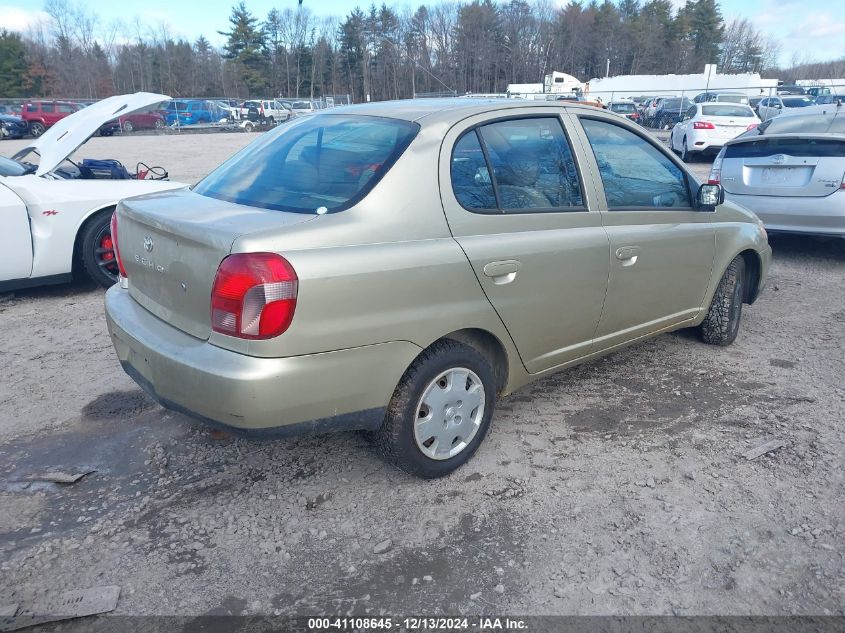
628	255
502	272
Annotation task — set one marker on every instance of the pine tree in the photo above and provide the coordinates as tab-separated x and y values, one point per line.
13	65
245	48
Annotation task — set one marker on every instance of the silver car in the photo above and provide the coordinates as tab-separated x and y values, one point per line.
399	266
790	171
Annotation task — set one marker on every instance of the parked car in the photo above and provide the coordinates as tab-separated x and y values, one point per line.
651	109
56	214
624	107
753	102
791	90
790	171
189	112
285	294
12	126
302	107
722	96
669	112
773	106
828	99
150	120
12	110
41	115
270	111
706	126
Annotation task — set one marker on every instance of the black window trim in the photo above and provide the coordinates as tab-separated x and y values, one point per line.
527	210
687	179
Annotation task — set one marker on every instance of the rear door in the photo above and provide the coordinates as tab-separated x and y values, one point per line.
662	248
517	204
15	238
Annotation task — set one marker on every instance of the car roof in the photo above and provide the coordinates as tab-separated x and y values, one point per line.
450	109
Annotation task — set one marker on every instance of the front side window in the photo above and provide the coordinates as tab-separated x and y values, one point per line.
329	161
48	107
66	107
526	165
635	174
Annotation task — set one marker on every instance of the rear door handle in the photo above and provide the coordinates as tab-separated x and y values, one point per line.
502	272
628	255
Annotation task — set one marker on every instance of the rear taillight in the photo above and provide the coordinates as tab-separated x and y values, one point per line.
715	177
751	126
115	246
703	125
254	296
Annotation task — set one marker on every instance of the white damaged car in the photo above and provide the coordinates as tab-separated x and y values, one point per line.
55	213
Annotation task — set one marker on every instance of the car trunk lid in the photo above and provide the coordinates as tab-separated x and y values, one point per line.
171	245
785	165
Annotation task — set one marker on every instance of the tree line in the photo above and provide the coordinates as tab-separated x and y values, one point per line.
477	46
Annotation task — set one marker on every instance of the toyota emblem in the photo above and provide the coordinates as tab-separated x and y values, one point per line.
778	159
148	244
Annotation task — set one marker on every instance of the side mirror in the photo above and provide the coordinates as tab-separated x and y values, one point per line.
710	196
778	106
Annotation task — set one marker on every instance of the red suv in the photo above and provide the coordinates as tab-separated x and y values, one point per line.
39	115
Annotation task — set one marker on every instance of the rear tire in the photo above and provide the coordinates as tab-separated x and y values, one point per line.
98	256
128	128
36	129
460	380
686	156
721	324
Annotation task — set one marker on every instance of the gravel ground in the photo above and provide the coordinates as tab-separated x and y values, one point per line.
618	487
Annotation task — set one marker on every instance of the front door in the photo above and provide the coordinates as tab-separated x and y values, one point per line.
516	203
662	247
15	238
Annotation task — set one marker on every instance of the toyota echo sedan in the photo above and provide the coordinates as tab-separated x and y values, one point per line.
397	267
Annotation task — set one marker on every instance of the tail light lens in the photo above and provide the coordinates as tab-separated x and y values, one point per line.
115	246
254	296
715	177
703	125
751	126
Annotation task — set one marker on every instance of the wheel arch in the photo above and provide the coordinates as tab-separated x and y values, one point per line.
488	345
753	270
76	263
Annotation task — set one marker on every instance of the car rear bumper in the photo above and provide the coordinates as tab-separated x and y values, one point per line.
818	215
340	390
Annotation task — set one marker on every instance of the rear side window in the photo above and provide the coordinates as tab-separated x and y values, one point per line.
329	161
724	109
797	102
516	165
635	174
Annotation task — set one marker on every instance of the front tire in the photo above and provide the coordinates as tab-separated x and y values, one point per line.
440	411
98	256
128	128
36	129
721	324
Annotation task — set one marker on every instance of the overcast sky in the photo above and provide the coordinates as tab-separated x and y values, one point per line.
814	30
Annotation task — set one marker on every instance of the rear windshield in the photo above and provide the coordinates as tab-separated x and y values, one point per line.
804	124
797	102
623	107
729	98
328	160
676	104
726	110
814	148
177	105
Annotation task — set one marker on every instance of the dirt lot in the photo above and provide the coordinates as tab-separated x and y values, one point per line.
617	487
